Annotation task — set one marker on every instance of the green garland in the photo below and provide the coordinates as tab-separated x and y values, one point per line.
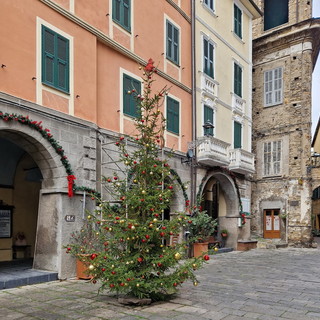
37	125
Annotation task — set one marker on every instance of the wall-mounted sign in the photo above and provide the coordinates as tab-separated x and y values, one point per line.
70	218
5	223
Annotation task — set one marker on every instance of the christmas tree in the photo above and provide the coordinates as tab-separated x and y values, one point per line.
138	257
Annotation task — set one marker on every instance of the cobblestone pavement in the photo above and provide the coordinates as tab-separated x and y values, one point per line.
257	284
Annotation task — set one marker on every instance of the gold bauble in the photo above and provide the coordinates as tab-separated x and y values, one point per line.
155	220
89	217
133	227
195	283
112	266
216	249
91	267
128	238
138	285
143	191
177	256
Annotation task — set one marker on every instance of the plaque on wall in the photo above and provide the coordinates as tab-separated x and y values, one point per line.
5	222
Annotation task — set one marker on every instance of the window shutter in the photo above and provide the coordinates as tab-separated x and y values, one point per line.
205	56
208	116
278	85
173	115
237	21
211	71
126	14
268	79
237	135
237	80
116	10
129	101
175	45
63	63
48	44
169	39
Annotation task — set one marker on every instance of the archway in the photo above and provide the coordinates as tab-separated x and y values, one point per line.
29	170
316	211
220	200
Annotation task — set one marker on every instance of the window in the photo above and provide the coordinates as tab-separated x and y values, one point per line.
208	116
172	115
273	87
237	80
237	21
276	13
272	158
237	135
208	58
129	101
209	4
172	43
55	60
121	13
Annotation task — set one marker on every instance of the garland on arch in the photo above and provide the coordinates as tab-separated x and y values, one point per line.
45	133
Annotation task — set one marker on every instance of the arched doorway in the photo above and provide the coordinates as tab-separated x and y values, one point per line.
36	189
316	211
220	200
20	183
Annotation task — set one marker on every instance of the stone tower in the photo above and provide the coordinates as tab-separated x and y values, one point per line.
285	49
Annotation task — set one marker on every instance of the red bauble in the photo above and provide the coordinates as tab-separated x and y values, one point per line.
103	269
111	285
115	178
113	272
140	259
206	257
93	256
162	234
163	228
175	284
147	236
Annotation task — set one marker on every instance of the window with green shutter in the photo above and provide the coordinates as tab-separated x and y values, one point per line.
237	80
173	115
237	21
121	13
208	58
208	116
172	42
129	101
276	13
237	135
55	60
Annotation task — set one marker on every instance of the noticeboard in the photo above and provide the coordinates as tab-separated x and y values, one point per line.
5	222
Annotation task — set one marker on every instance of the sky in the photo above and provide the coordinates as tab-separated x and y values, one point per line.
316	78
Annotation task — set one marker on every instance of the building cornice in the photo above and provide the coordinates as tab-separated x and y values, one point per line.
179	10
110	42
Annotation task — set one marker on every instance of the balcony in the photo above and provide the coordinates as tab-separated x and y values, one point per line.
212	152
238	104
241	161
209	86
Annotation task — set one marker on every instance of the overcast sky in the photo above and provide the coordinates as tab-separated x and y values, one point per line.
316	78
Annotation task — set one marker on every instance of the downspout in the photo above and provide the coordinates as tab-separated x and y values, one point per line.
194	112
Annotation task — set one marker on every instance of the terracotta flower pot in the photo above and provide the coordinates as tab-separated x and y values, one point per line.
82	270
200	248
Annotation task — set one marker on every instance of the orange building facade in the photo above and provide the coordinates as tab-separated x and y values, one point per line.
66	67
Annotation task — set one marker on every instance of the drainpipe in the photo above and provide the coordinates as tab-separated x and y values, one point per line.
194	113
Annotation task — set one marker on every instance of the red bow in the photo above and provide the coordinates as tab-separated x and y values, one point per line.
70	178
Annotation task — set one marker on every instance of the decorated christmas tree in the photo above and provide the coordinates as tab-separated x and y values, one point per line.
137	255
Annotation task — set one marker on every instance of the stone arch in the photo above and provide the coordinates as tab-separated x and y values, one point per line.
228	211
53	201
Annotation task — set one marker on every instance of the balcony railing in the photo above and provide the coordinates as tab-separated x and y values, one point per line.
209	86
241	161
212	152
238	104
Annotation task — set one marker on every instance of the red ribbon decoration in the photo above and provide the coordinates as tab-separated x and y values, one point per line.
70	178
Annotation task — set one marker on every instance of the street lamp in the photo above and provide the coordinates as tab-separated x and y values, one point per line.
207	126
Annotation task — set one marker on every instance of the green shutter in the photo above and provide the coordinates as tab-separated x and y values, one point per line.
276	13
173	115
237	80
129	100
237	21
237	136
55	60
121	13
208	58
208	116
172	36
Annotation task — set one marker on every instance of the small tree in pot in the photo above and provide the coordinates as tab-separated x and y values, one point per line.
201	227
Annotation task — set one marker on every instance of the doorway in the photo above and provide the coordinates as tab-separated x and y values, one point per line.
271	224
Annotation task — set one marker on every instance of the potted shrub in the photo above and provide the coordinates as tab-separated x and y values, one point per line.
84	243
201	227
224	233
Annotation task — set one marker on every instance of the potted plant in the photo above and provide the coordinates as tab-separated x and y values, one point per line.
84	243
201	227
224	233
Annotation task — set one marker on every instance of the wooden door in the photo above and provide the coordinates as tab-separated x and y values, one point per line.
271	223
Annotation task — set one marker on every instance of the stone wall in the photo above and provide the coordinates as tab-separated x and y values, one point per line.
288	122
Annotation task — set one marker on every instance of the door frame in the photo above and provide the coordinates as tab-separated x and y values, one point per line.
275	229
